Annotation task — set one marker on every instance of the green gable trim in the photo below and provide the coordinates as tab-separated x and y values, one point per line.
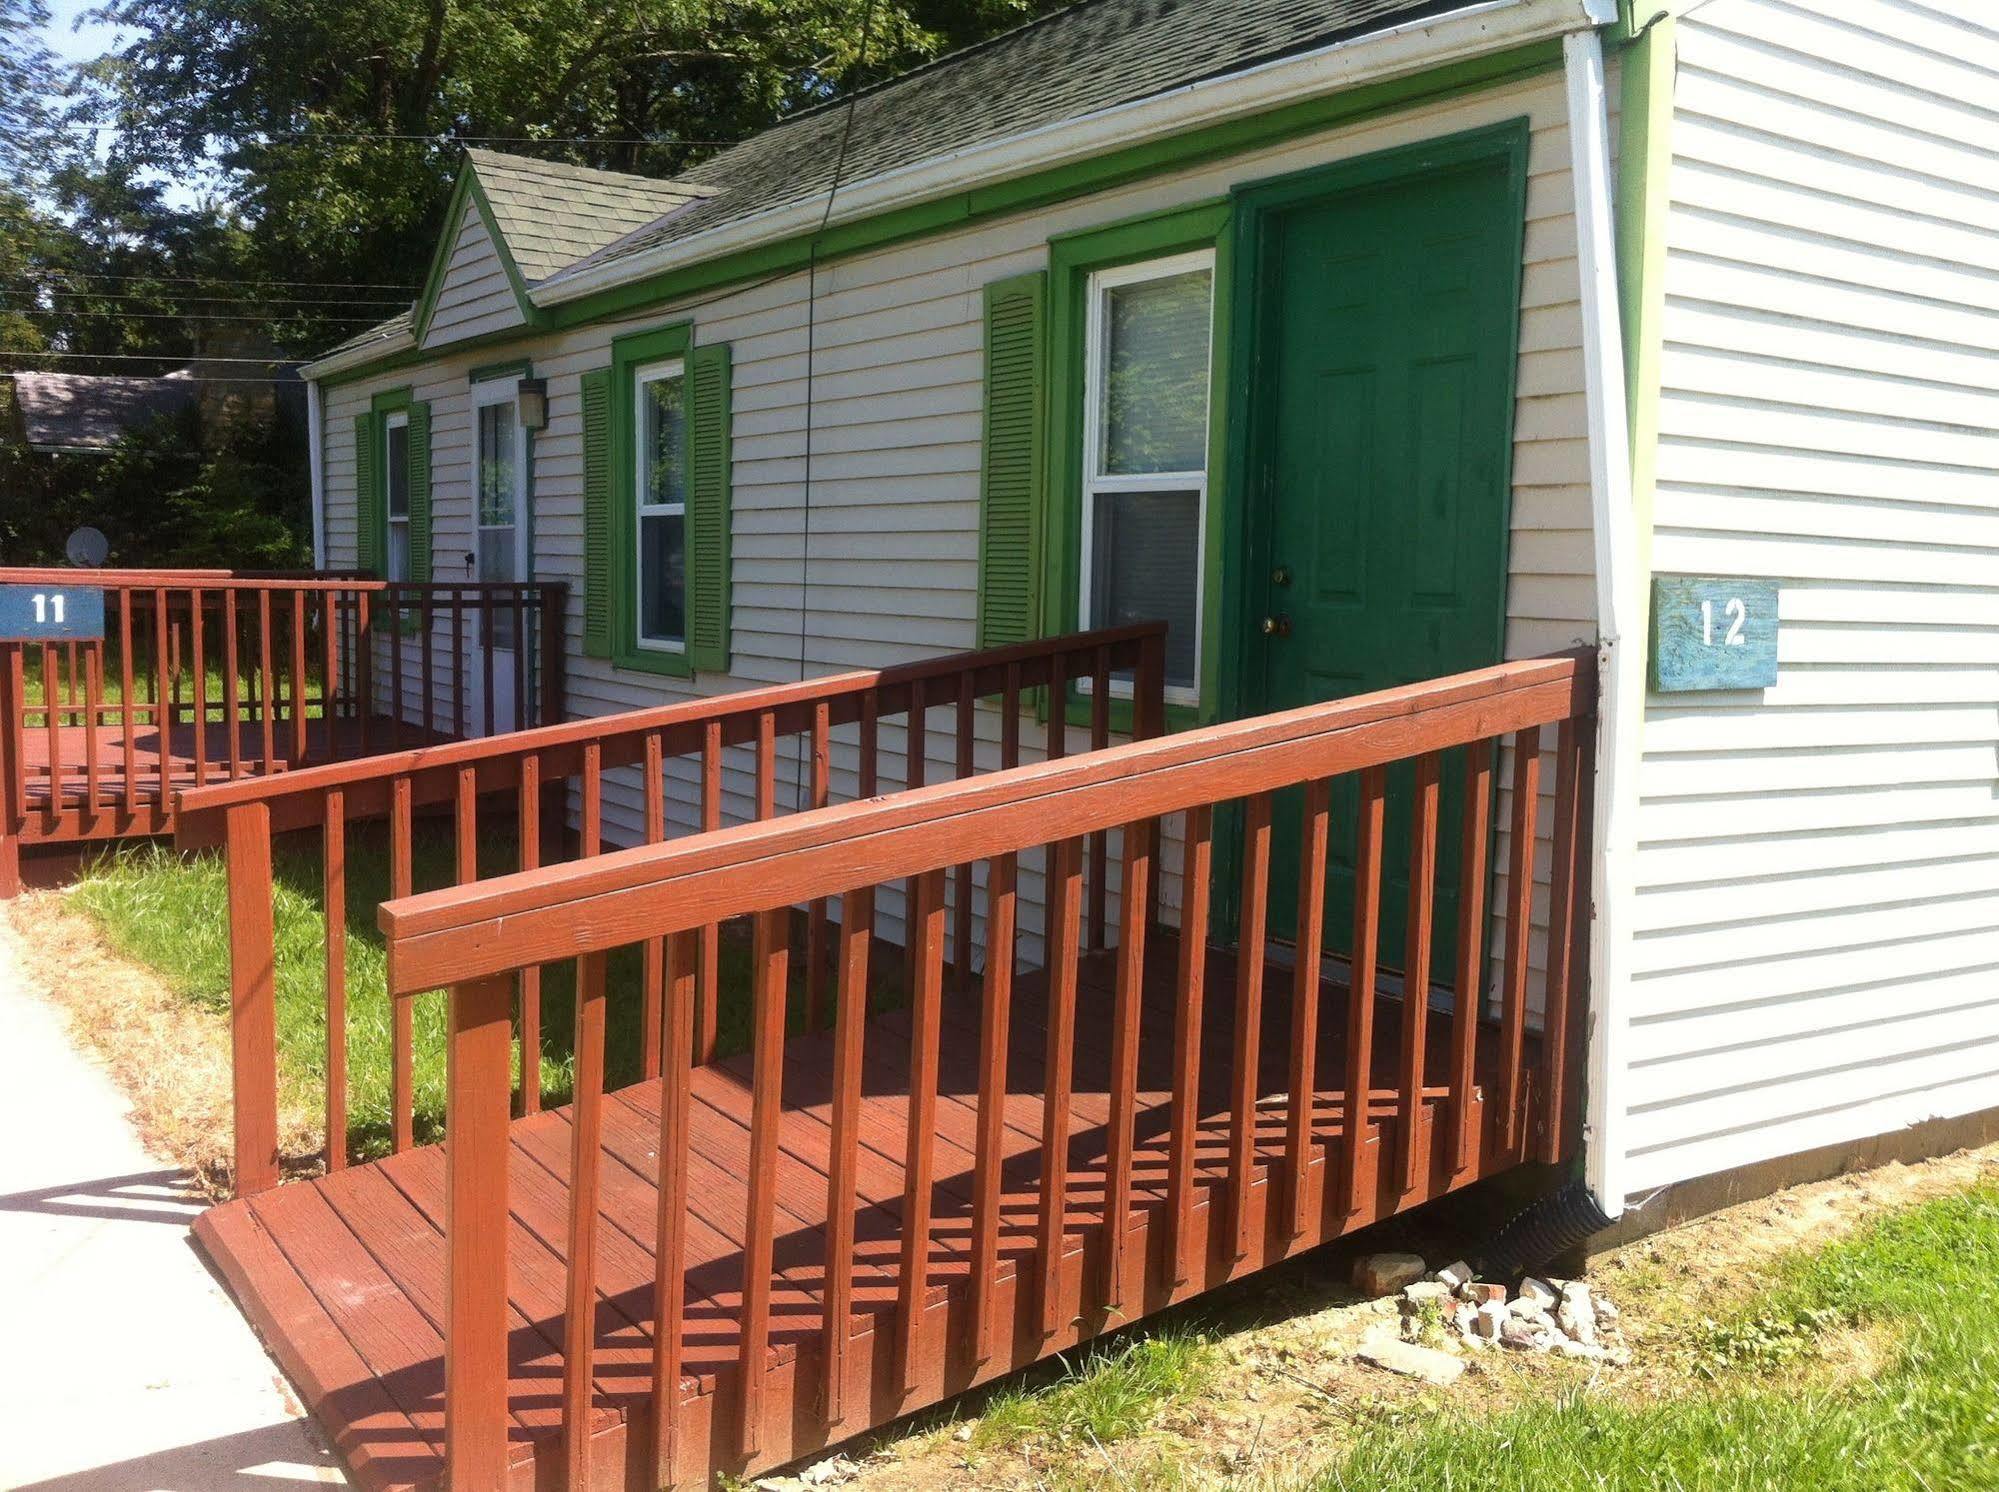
466	191
1005	199
629	353
1073	258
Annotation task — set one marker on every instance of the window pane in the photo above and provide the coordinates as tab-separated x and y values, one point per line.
496	562
662	447
1153	406
398	465
496	464
399	549
1145	550
662	579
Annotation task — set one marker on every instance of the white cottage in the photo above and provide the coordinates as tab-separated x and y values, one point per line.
1363	342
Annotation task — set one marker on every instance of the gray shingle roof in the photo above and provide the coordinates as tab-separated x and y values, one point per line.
551	214
1074	62
89	411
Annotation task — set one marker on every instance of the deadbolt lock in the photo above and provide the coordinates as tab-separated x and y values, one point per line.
1277	626
1281	575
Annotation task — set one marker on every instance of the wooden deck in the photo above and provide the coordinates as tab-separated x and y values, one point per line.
345	1276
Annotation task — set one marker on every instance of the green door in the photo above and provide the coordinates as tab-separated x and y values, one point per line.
1385	346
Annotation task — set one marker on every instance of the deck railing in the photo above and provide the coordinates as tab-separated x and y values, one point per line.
522	779
479	939
209	675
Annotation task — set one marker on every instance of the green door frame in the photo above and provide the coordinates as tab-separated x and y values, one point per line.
1244	513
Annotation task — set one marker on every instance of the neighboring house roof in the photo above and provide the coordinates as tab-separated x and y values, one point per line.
87	412
551	214
1068	64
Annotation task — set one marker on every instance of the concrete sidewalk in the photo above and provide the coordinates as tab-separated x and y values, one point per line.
125	1366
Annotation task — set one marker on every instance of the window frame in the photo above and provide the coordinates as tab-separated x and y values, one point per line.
643	376
629	353
485	394
392	421
1098	284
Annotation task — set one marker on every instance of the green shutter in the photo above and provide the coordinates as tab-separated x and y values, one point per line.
419	478
1012	481
367	498
708	459
597	499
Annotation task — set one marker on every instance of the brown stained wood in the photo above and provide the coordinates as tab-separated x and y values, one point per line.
1100	738
770	964
253	1000
1468	999
926	942
1565	871
426	664
93	700
766	765
857	915
1309	948
1247	1047
528	817
591	830
364	671
711	935
915	742
398	619
1362	996
198	663
961	874
1519	930
816	914
232	704
994	1037
487	720
1188	1013
162	716
333	900
329	680
298	747
266	682
130	734
670	1246
402	1032
580	1296
466	821
475	1384
457	665
652	974
52	717
1416	963
1134	910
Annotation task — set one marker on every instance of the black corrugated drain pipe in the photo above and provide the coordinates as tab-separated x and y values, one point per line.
1542	1230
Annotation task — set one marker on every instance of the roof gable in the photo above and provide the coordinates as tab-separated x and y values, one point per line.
89	411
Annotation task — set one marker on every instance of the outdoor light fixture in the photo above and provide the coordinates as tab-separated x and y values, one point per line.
533	396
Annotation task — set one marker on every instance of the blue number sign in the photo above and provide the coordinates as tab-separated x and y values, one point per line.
51	613
1713	634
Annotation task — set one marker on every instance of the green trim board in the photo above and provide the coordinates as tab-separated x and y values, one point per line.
997	200
1073	258
466	189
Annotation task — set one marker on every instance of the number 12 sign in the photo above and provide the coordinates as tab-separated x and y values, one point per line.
1713	633
51	613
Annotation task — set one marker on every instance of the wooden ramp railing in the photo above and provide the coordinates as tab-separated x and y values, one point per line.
524	779
210	675
480	939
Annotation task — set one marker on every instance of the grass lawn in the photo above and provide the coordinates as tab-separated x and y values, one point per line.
1872	1364
171	913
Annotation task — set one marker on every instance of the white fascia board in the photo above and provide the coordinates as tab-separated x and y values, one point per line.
358	357
1476	30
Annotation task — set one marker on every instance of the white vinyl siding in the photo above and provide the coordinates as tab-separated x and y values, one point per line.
894	501
476	297
1817	919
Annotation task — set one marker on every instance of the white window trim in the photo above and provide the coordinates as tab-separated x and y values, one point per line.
1178	481
392	422
642	376
484	394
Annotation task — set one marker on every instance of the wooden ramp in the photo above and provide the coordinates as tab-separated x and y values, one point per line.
345	1275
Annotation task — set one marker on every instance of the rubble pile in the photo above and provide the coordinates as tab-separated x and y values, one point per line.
1449	1313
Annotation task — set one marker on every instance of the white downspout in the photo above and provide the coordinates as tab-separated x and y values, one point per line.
1620	651
313	447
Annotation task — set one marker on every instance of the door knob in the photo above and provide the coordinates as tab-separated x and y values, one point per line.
1277	626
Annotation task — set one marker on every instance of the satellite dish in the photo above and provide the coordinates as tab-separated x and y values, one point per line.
87	548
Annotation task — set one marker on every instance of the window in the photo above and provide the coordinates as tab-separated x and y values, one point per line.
1145	452
660	488
396	487
499	478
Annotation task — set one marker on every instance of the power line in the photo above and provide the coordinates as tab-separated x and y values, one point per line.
232	300
154	357
172	315
91	274
435	137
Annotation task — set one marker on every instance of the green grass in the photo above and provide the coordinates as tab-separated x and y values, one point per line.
111	682
1104	1394
1772	1407
170	913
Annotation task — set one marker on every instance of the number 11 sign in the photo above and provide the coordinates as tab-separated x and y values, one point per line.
51	613
1713	633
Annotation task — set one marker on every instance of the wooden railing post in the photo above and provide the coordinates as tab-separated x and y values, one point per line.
553	685
11	694
478	1086
253	996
